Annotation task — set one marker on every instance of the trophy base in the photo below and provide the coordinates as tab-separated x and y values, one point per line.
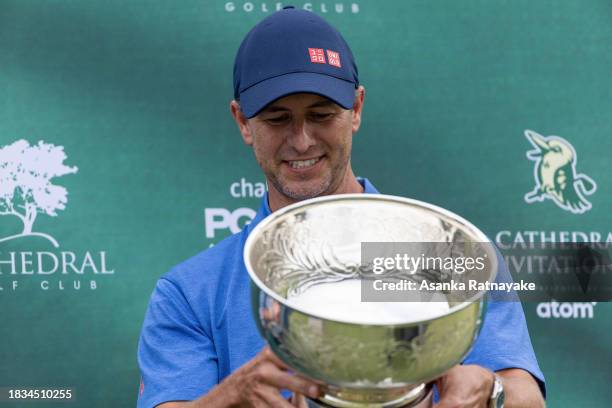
418	397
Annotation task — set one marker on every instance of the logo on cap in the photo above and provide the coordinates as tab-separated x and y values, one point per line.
334	58
317	55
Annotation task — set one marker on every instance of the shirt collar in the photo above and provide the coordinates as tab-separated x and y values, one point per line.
264	209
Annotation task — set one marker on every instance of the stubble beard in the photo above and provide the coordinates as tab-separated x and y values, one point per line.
329	184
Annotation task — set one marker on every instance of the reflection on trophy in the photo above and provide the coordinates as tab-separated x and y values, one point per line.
309	275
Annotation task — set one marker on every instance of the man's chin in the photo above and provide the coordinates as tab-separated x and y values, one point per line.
301	192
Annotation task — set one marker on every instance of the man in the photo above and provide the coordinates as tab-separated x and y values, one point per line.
298	104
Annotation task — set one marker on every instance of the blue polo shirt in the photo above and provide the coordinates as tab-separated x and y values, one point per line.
199	327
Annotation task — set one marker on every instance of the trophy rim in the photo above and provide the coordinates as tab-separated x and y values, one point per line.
273	217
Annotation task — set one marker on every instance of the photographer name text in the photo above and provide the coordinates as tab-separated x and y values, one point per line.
452	285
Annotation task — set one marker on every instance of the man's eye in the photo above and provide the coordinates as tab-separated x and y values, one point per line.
319	116
277	120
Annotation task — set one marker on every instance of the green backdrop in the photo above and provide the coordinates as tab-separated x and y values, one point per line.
136	94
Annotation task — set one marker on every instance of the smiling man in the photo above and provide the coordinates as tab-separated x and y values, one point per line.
297	103
302	143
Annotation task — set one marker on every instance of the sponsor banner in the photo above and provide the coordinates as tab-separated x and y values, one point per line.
566	310
119	160
32	259
555	174
266	7
221	222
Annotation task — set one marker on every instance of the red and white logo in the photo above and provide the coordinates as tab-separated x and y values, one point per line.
317	55
334	58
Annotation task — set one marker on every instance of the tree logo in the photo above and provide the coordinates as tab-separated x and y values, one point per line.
25	183
555	174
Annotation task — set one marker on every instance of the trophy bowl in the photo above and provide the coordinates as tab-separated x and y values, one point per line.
361	362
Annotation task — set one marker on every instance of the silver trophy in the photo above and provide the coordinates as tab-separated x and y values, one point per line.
361	365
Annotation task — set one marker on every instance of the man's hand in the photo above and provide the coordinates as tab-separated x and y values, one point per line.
465	386
256	384
470	386
299	401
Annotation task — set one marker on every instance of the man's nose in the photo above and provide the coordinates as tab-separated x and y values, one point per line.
301	137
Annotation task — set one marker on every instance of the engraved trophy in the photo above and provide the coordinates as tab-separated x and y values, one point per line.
361	364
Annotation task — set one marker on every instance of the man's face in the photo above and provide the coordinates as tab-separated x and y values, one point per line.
302	142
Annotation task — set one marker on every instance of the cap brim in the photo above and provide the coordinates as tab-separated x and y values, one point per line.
257	97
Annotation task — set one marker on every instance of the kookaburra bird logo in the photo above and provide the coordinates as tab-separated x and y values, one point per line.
555	174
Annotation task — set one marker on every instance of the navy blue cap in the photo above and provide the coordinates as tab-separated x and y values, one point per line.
293	51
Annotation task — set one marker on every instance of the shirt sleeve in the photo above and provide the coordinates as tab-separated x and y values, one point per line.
504	340
176	356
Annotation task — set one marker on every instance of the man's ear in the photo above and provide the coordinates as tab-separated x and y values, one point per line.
358	108
242	122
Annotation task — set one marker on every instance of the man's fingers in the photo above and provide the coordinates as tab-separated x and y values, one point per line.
299	401
270	397
273	371
272	375
291	382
